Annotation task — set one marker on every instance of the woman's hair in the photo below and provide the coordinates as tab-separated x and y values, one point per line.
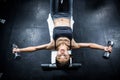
62	65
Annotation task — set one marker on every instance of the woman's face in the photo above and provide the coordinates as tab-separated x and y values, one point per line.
63	55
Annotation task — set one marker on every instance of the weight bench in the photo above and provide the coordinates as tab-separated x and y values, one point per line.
52	65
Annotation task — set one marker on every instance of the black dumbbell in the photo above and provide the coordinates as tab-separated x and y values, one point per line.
16	55
107	54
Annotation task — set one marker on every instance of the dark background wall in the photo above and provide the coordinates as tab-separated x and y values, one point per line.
26	25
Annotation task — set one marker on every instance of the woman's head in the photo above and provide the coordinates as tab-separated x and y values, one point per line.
62	58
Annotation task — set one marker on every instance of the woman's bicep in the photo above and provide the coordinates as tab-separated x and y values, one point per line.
45	46
40	47
79	45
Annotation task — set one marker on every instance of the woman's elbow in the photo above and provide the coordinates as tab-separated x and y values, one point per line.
91	45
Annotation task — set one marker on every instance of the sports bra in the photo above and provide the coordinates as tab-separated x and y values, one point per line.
62	31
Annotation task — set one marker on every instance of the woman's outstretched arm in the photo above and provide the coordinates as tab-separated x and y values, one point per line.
34	48
93	46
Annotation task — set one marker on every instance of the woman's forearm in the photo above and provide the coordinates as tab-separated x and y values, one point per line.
30	49
96	46
91	45
27	49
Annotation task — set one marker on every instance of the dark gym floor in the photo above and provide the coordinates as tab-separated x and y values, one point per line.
26	25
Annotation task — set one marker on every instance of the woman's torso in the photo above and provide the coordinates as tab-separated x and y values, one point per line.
63	31
62	35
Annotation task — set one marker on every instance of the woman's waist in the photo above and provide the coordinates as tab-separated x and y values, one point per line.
62	22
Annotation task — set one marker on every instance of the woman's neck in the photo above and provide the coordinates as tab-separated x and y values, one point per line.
63	46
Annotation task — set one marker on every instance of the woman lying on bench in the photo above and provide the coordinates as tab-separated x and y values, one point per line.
62	38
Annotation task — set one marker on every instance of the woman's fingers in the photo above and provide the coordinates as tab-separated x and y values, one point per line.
15	50
108	49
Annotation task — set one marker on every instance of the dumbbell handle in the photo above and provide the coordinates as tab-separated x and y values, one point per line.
107	54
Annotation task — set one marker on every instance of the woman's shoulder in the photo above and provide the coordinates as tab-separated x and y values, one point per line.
51	45
74	44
